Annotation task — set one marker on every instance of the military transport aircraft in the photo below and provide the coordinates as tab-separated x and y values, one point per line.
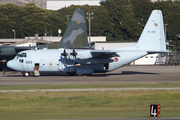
86	61
75	33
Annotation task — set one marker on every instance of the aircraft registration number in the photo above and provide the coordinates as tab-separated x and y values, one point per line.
28	62
151	31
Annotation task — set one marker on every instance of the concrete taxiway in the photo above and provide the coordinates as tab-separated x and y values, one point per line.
126	74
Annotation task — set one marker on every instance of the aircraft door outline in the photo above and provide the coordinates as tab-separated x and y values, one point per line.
36	69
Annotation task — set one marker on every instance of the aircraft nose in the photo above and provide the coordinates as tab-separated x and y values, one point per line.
12	64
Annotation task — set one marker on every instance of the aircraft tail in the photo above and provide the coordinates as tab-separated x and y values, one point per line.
152	38
76	32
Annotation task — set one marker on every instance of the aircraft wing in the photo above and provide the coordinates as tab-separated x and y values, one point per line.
103	54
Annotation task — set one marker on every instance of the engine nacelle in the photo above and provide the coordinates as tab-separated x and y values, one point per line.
7	51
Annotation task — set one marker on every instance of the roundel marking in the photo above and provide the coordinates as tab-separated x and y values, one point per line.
155	24
78	22
116	59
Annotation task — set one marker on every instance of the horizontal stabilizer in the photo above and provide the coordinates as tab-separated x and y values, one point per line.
165	51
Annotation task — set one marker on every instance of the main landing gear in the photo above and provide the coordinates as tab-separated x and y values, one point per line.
25	74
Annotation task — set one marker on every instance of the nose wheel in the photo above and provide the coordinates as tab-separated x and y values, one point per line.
26	74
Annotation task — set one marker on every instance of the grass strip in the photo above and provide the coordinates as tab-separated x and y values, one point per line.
81	86
87	104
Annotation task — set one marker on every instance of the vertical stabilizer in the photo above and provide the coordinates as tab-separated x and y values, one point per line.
153	37
76	32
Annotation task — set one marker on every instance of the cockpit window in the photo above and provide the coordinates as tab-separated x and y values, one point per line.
22	55
21	60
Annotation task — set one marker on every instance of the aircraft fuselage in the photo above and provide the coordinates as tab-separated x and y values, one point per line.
53	61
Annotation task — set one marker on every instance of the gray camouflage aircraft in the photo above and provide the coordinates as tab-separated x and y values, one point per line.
86	61
76	33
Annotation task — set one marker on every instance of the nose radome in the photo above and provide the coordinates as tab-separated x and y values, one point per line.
11	64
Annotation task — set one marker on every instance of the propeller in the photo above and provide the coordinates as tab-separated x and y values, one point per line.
73	53
64	53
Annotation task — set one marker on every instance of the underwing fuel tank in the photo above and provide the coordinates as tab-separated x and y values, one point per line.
94	61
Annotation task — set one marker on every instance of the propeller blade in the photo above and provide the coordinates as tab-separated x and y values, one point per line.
73	53
64	54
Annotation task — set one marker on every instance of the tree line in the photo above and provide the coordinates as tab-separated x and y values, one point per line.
118	20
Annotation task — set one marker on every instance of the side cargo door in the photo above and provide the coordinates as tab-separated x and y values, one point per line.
36	69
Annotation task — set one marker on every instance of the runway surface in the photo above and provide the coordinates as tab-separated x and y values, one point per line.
126	74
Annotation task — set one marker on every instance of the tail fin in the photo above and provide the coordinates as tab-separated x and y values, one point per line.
152	38
76	32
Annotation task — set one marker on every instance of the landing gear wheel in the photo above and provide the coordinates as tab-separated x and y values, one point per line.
26	74
71	73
